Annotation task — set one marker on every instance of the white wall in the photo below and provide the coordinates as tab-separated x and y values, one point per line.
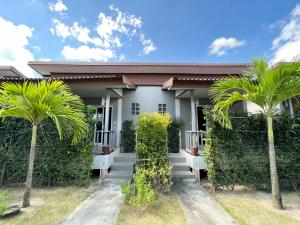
148	97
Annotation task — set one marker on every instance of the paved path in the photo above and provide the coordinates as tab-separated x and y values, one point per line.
101	208
200	208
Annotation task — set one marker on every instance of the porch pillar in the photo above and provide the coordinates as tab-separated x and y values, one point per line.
106	118
291	108
119	124
193	118
193	111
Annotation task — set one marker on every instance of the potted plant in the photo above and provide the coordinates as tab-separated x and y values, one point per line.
105	149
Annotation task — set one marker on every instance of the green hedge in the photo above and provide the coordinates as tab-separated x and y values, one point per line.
57	161
240	156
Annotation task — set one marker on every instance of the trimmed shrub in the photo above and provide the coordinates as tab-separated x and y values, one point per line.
128	136
153	172
57	161
240	156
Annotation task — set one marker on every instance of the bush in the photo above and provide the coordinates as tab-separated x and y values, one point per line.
240	156
153	172
57	161
128	136
4	196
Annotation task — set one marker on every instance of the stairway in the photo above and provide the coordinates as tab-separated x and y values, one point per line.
122	167
180	168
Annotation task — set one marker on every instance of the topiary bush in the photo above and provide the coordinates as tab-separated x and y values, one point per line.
240	156
57	161
128	136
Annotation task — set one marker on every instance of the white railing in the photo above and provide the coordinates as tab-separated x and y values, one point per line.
104	138
194	139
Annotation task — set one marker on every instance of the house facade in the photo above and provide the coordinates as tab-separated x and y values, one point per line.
122	91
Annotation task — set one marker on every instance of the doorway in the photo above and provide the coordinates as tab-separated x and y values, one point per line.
100	124
201	119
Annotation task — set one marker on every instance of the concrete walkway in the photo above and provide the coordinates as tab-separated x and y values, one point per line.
199	207
101	208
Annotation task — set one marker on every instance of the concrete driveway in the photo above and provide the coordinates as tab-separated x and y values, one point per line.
101	208
200	208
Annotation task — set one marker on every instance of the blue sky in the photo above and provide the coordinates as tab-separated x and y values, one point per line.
156	31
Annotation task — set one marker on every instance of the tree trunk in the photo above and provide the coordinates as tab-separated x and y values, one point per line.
276	195
27	192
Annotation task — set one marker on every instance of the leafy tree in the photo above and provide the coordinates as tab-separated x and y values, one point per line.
265	86
36	102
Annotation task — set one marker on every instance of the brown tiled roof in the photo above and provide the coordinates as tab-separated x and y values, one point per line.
52	68
65	77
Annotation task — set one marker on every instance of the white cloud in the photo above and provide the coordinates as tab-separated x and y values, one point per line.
148	45
122	57
221	45
59	6
60	29
110	32
86	53
14	40
286	46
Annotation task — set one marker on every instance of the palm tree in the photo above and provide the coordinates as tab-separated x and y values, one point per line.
37	101
265	86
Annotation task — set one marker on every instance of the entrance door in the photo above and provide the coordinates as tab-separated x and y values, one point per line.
100	124
201	119
201	124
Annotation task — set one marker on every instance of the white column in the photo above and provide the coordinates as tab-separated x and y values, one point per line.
177	108
193	111
193	117
291	108
106	122
119	123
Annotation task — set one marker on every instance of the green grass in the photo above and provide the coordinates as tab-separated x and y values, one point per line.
49	206
255	208
4	200
166	211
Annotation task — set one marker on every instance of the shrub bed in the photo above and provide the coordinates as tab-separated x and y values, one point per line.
240	156
152	173
57	161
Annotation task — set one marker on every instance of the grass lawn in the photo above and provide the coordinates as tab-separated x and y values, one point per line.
166	211
48	205
255	208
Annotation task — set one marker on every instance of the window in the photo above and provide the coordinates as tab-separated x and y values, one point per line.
162	108
135	108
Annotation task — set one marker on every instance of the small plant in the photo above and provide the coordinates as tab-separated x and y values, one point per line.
126	190
4	196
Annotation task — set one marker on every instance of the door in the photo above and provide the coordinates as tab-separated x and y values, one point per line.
100	121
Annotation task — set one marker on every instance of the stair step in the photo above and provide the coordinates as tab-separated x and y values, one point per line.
180	167
182	175
177	159
119	175
122	166
124	159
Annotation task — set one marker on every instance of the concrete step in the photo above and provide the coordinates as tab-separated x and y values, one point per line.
124	158
180	167
177	159
119	175
182	175
122	166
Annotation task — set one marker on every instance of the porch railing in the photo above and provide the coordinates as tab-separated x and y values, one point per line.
102	137
195	139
